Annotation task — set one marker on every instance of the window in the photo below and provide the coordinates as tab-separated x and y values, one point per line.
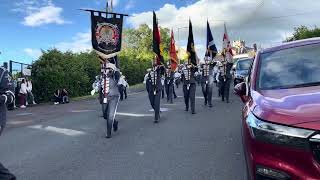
290	68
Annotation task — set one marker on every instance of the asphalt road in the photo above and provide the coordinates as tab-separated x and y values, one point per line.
67	142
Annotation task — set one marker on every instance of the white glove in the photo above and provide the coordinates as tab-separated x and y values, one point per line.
93	92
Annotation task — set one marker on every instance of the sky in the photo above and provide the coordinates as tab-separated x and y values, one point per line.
27	26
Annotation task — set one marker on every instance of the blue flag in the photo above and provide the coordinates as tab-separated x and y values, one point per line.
211	46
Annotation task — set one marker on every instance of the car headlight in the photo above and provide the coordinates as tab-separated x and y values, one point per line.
278	134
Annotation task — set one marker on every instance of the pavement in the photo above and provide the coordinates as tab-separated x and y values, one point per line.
67	142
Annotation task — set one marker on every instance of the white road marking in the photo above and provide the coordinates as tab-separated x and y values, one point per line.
134	114
80	111
68	132
141	153
24	114
161	109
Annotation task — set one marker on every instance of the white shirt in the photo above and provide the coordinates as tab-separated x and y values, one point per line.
29	86
177	75
23	89
123	82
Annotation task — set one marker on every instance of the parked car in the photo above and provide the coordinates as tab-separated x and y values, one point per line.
241	70
281	113
240	56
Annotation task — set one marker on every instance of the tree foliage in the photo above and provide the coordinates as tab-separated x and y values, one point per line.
57	70
76	71
304	32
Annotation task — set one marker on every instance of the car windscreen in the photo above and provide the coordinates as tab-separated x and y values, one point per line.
244	64
290	68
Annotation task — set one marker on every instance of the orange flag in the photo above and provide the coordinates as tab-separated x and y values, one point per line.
173	53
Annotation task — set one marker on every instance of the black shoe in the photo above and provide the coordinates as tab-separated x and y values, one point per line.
194	112
187	109
205	103
171	102
115	126
222	99
156	121
108	136
175	97
227	101
210	106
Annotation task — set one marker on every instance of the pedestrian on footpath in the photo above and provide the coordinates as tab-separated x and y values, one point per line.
126	86
122	86
177	78
23	94
57	98
30	95
155	88
6	97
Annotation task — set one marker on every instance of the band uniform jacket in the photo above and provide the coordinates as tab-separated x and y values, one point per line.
188	75
207	72
154	78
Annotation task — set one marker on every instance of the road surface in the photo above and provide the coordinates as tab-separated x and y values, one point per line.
67	142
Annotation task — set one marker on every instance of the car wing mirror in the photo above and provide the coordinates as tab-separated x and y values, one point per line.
241	91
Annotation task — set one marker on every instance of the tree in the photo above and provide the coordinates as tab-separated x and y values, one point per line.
56	70
304	32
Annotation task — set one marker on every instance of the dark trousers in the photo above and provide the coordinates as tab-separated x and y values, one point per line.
174	92
177	82
22	99
190	95
224	87
5	174
155	103
121	90
125	92
207	92
110	110
162	92
169	91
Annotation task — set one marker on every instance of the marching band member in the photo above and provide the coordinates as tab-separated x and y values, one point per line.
6	97
189	86
155	88
207	80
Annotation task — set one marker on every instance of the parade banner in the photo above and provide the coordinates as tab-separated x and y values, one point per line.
157	47
173	53
227	50
106	33
190	47
211	46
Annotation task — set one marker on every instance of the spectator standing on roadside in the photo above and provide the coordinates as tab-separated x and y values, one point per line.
29	92
23	94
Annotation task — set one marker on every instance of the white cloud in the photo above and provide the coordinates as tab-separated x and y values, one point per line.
80	42
34	53
45	15
263	22
39	12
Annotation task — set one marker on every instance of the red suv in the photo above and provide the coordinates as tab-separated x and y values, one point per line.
281	113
